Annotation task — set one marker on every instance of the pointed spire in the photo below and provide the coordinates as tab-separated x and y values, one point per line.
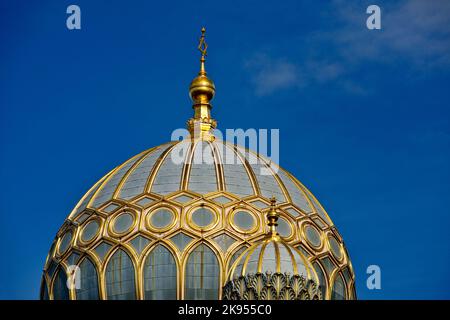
202	47
272	217
202	91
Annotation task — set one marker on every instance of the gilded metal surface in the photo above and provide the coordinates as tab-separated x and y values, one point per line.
299	282
114	194
146	203
202	91
271	286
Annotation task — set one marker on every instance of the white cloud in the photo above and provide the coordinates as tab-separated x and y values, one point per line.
271	75
414	32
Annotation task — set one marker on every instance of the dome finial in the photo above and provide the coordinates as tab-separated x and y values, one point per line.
202	47
272	217
202	91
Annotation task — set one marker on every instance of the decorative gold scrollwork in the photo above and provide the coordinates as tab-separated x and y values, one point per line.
268	286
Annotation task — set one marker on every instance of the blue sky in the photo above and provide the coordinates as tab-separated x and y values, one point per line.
363	116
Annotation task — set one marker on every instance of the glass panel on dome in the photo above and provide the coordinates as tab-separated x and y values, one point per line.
339	292
120	277
51	253
335	248
88	281
320	223
183	198
168	178
181	240
303	250
110	208
264	175
60	290
284	228
301	269
269	262
347	275
51	269
44	290
259	204
203	217
237	180
161	218
328	264
312	236
319	209
285	260
244	220
252	263
123	222
202	275
224	241
107	190
102	249
202	178
144	201
136	181
353	291
88	197
65	242
90	231
139	243
160	275
82	218
322	280
222	199
293	212
297	196
73	258
235	256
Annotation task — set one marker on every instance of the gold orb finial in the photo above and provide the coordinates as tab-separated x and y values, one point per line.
202	91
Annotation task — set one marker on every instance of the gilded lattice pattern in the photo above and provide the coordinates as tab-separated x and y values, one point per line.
168	199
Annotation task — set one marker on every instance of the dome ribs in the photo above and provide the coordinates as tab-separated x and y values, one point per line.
82	204
201	176
235	224
168	175
237	176
248	168
294	264
267	183
187	167
277	256
220	176
277	178
101	196
156	166
131	170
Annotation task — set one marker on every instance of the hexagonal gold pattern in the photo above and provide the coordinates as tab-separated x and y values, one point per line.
299	208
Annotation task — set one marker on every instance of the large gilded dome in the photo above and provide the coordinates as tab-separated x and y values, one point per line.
169	222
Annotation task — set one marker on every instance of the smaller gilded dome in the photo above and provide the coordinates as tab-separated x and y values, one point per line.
272	255
271	269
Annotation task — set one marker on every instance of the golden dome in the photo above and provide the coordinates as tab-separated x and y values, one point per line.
146	228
